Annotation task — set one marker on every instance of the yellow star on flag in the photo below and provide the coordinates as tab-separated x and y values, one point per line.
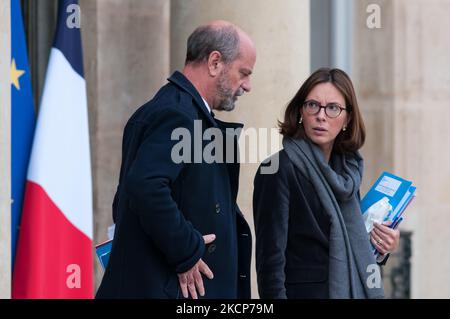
15	75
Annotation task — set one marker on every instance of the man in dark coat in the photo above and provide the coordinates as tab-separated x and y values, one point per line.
179	232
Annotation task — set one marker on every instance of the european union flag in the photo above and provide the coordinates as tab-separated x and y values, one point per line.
22	118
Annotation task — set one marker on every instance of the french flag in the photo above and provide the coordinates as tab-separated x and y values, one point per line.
54	255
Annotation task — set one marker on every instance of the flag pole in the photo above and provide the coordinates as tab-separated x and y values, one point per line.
5	150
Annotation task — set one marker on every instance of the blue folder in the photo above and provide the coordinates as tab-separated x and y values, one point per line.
399	191
103	251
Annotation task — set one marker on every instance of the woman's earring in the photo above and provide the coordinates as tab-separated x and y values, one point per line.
301	120
344	128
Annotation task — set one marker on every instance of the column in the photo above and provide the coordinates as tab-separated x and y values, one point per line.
401	71
126	59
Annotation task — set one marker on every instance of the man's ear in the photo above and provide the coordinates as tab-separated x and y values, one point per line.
215	63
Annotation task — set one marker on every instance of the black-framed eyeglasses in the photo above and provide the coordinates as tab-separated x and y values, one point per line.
332	110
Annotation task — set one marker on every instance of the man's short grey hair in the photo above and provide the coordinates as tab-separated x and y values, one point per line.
206	39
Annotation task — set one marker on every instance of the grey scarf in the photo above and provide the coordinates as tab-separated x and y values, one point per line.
352	266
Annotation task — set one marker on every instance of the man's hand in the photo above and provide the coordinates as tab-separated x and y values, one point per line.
191	280
385	239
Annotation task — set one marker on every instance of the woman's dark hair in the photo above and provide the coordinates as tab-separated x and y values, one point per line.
347	141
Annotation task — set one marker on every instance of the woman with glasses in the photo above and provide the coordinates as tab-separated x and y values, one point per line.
311	241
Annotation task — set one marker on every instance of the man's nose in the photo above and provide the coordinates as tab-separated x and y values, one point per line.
246	86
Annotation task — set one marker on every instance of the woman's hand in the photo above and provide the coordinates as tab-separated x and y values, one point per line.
384	239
